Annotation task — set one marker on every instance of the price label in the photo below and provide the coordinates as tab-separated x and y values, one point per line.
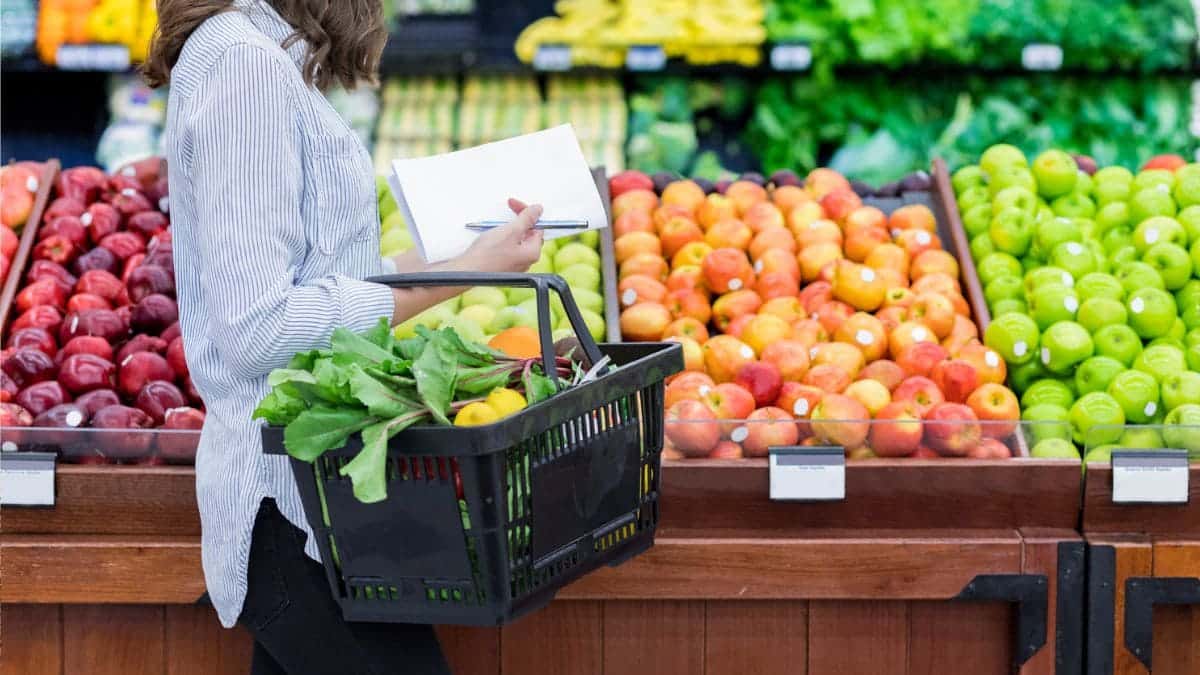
27	478
791	57
552	58
810	474
1042	57
645	58
1150	476
110	58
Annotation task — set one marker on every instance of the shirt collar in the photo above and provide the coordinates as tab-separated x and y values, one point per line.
264	17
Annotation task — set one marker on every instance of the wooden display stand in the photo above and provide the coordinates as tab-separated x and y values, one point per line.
1143	581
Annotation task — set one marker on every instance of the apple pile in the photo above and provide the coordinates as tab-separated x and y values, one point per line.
18	188
96	342
806	317
1093	282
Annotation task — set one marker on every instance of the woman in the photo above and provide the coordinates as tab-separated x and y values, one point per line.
275	226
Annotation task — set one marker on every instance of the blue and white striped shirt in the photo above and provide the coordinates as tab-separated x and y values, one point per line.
274	225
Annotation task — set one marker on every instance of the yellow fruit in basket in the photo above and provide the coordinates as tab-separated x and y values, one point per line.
476	415
506	402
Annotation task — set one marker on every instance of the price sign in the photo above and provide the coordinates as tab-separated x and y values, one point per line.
1150	476
791	57
110	58
810	474
1040	56
645	58
552	58
27	478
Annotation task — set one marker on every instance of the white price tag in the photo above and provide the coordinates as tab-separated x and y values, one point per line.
27	478
807	474
552	58
791	57
1150	476
645	58
110	58
1042	57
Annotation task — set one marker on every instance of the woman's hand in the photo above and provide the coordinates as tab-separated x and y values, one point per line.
511	248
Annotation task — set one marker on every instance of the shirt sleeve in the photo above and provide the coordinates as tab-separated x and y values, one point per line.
246	170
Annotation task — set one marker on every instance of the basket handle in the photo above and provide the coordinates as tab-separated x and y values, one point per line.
542	284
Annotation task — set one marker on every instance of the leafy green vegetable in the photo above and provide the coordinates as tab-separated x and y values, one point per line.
436	373
322	428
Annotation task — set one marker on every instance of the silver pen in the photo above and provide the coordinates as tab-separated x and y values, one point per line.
485	225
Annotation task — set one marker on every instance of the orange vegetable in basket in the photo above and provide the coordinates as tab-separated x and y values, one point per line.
519	342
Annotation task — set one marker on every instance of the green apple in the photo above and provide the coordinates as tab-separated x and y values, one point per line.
996	265
1065	345
1054	231
1117	239
1180	388
981	246
518	295
590	239
977	219
1047	420
1007	306
1177	333
1011	176
1107	194
581	276
1013	336
588	299
1192	354
1154	178
1148	203
595	324
467	328
968	177
1151	312
1099	255
1192	337
480	315
1004	288
1097	419
1056	173
1121	257
1113	174
1161	361
1052	392
1024	375
1112	216
1002	155
1135	276
1101	454
1074	257
1052	303
1187	185
1096	313
544	264
1084	184
491	296
1196	258
1118	341
1189	218
1074	205
1137	393
1054	448
1157	230
1096	373
1015	197
513	316
1141	437
1046	276
432	318
1182	429
975	196
576	254
551	246
1012	231
1099	285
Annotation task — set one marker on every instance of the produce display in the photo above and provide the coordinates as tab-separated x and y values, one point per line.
95	340
1092	278
78	22
806	317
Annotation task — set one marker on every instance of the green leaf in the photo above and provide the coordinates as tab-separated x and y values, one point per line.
538	387
368	470
332	381
305	360
297	384
344	341
483	380
381	336
410	349
322	428
435	372
381	400
470	353
279	408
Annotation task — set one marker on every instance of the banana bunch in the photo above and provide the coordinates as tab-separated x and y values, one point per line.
147	23
114	22
576	24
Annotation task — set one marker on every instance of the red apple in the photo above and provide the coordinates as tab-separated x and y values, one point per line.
762	379
800	400
920	358
956	378
921	392
731	404
888	373
767	428
990	448
952	429
897	430
692	428
689	386
996	406
841	420
726	450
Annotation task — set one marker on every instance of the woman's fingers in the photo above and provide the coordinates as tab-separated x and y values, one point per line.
528	217
516	205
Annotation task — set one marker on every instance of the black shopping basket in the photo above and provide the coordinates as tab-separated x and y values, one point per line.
484	524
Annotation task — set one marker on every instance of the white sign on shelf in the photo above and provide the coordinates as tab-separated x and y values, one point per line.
1150	476
791	57
815	474
645	58
1040	56
552	58
27	478
110	58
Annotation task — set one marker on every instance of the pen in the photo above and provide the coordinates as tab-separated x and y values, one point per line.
539	225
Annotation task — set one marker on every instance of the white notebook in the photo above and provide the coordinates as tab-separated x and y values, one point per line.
439	195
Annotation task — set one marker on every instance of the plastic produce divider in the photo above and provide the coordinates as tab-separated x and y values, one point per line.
608	256
16	270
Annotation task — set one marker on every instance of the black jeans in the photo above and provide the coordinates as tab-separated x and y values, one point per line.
298	627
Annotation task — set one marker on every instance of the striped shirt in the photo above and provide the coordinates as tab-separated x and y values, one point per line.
275	223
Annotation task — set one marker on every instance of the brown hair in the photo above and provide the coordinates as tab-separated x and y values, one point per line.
345	37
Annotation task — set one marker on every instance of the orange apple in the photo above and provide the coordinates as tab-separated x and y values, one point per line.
952	429
804	215
987	362
692	428
891	317
640	288
961	307
816	294
920	392
913	217
935	311
772	238
688	386
917	242
738	325
644	201
692	304
687	327
677	233
814	258
920	358
989	448
818	232
937	283
865	218
809	332
773	285
634	243
932	261
691	254
729	234
821	182
954	343
726	450
866	333
684	193
839	204
790	309
845	356
788	197
777	261
764	216
731	403
727	269
996	406
896	431
898	296
860	243
693	355
873	395
632	221
764	329
888	256
645	322
790	357
907	334
686	277
663	215
761	379
893	278
963	327
858	285
724	355
956	378
841	420
733	305
648	264
827	377
745	195
768	428
716	207
832	315
799	400
888	373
